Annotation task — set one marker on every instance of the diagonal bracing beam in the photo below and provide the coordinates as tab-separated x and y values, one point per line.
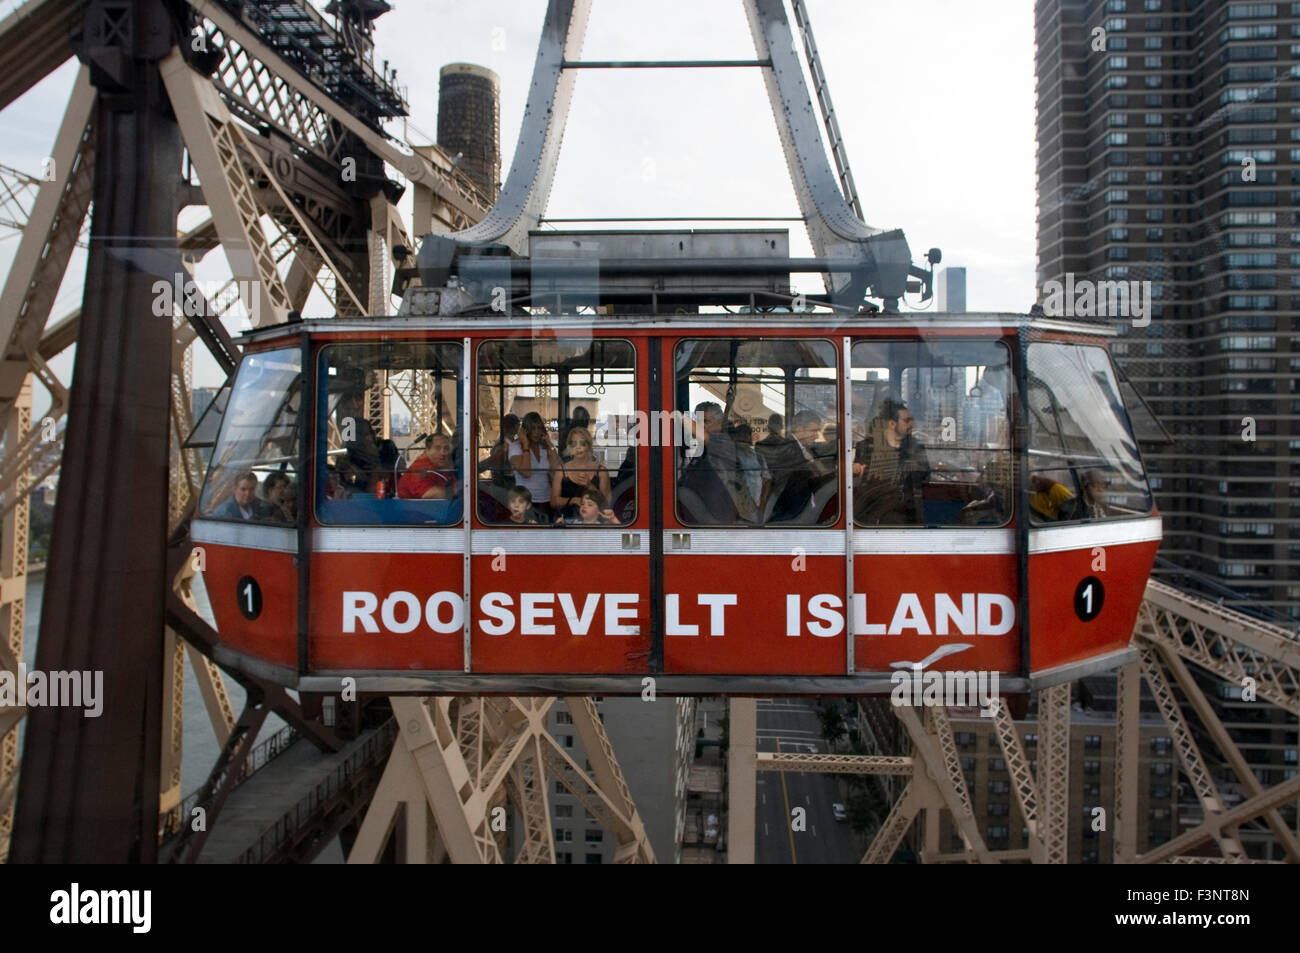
1054	772
213	143
46	245
1231	753
1188	753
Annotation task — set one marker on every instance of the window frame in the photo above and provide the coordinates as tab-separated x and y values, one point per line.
837	383
1011	381
204	509
1038	521
321	443
636	368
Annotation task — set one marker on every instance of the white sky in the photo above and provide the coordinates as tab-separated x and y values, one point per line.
935	100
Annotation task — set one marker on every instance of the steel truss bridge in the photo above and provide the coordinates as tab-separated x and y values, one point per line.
264	101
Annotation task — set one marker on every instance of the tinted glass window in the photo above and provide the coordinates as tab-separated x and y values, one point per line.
253	473
1083	460
388	439
761	445
932	433
558	432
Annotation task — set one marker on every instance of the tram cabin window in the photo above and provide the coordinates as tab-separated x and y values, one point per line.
932	433
1083	458
388	433
556	418
756	449
253	475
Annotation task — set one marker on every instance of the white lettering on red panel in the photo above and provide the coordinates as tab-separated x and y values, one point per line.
539	613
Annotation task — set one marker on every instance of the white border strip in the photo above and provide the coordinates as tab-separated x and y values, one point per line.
276	539
1090	535
564	540
388	539
754	542
400	540
945	542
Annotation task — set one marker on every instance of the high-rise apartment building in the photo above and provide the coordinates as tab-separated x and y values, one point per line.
654	743
1169	153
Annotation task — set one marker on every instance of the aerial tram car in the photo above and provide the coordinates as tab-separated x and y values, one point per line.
730	488
784	501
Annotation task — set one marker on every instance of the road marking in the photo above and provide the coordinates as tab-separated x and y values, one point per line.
814	830
807	798
764	797
785	793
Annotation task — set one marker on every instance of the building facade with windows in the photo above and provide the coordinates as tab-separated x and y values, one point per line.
654	742
1169	152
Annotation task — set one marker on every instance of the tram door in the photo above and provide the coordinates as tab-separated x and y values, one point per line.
560	573
752	534
934	566
387	543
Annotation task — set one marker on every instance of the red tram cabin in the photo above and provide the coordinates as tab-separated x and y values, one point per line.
722	506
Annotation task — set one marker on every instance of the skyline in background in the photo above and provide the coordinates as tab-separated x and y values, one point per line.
703	141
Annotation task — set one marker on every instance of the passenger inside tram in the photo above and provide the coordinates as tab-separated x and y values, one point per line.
712	479
244	503
281	496
593	510
753	469
1048	496
578	470
891	469
360	467
533	457
431	475
522	512
1090	505
497	462
802	467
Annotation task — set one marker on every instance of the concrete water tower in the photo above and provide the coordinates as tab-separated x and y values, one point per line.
469	122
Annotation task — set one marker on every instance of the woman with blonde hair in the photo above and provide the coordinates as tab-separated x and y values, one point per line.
579	471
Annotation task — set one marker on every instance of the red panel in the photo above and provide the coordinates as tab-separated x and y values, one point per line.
273	635
754	639
1058	635
971	582
538	581
331	648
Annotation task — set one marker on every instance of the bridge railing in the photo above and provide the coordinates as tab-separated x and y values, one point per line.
262	753
271	840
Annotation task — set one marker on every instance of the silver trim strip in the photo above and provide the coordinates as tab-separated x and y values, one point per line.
755	542
388	539
559	539
943	542
1089	535
276	539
